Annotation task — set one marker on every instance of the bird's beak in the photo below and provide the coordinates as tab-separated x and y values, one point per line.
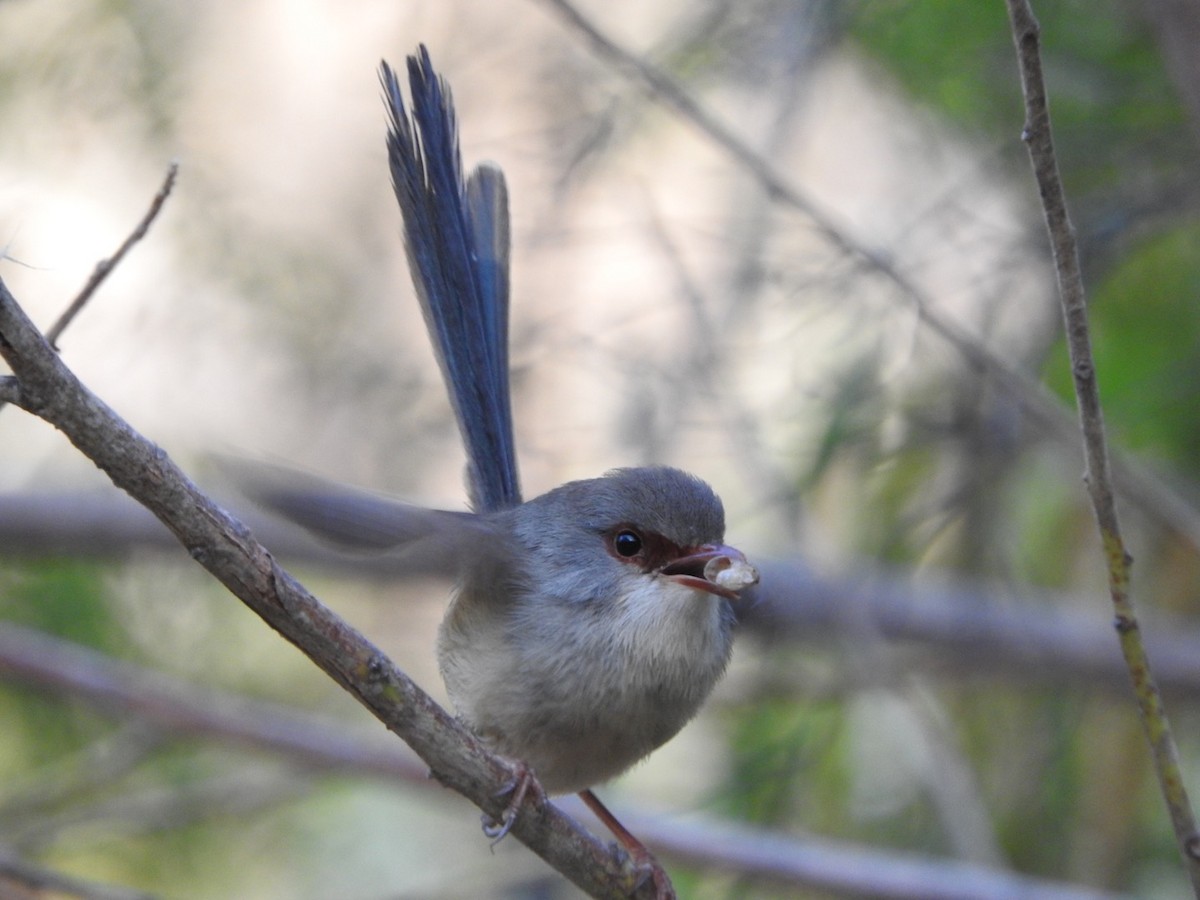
714	568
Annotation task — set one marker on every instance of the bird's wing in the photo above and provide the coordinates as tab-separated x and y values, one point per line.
434	541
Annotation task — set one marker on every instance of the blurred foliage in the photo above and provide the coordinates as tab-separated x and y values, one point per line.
1125	154
1146	340
778	743
65	598
968	79
1112	103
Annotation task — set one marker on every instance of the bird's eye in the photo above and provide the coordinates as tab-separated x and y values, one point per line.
627	543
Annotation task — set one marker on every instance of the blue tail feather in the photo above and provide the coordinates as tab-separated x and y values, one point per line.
457	240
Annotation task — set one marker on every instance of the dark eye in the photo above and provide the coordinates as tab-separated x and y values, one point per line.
627	543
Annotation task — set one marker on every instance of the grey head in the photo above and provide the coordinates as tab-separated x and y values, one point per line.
589	535
663	500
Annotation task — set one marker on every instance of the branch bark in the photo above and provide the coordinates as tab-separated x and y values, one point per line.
1038	138
222	545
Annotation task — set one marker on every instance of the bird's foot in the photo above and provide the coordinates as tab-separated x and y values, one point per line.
646	867
522	784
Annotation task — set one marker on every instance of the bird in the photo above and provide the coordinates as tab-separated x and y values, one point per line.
588	624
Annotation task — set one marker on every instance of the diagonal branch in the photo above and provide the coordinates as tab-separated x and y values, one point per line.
227	549
1039	140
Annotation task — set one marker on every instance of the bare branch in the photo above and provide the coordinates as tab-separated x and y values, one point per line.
105	266
1039	140
228	551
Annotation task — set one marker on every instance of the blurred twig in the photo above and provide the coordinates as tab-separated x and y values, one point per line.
20	878
184	709
1177	26
1039	140
62	781
168	802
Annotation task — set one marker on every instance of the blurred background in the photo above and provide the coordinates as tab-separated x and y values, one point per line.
793	247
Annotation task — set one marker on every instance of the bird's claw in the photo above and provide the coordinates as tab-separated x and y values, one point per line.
523	783
498	829
631	852
646	868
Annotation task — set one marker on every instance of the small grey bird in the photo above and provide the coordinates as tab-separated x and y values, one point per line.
590	623
602	627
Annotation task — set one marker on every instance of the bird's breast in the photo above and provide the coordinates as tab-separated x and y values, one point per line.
582	691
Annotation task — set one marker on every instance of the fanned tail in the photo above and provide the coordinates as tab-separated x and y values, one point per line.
457	239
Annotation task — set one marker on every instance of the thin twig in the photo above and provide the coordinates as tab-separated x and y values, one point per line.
1157	499
106	266
1039	140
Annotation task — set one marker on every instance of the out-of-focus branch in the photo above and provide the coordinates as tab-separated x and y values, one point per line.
125	689
1177	26
1035	637
20	878
1009	632
225	547
848	870
74	671
1138	483
64	781
1038	138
